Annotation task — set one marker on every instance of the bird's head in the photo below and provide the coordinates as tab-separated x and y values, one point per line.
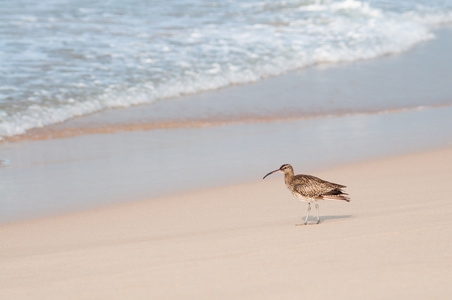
286	168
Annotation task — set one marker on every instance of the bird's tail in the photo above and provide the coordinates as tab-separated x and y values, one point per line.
343	197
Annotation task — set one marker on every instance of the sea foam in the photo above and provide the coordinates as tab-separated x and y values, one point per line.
76	61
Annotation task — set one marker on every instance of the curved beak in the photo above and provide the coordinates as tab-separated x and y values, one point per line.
272	173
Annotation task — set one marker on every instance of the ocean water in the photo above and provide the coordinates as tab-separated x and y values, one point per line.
61	59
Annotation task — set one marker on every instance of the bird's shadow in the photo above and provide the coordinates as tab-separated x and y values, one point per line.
331	217
336	217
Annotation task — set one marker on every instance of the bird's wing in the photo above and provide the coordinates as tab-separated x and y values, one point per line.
306	190
311	186
326	184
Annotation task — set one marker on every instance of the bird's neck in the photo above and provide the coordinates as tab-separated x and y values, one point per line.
288	177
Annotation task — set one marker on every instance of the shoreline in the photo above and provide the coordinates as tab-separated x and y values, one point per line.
239	241
390	83
69	132
56	176
60	175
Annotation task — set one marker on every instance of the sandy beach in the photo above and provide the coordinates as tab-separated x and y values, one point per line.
134	138
392	241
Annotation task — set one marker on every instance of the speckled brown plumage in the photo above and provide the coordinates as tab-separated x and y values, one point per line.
310	189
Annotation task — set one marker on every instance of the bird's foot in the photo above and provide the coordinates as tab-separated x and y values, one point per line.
303	224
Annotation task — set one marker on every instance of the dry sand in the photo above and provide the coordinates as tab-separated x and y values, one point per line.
393	241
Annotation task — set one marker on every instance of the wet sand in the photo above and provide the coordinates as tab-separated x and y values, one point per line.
391	241
50	177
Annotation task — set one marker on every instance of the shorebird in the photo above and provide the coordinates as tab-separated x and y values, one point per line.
311	189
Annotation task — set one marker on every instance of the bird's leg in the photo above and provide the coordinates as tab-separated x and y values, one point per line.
307	215
318	212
